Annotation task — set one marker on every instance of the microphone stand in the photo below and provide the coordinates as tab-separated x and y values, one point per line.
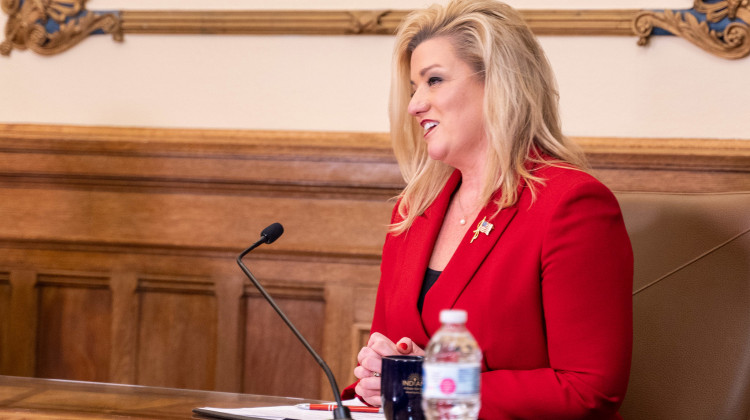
341	411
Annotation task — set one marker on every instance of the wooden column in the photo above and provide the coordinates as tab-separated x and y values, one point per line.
124	327
339	296
228	367
19	357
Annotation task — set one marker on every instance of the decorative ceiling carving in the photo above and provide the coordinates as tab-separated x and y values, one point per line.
52	26
719	27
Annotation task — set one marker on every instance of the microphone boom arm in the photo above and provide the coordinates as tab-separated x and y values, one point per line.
341	411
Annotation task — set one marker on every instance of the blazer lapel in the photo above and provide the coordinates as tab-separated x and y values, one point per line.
418	245
465	261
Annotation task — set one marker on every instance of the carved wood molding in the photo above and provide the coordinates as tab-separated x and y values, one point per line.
184	285
273	163
670	165
368	22
56	25
282	289
730	39
70	279
79	173
581	22
312	146
53	26
667	154
246	22
198	159
26	29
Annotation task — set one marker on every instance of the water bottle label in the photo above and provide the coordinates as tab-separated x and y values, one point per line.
450	380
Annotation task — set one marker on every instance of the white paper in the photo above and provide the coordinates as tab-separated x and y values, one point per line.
292	412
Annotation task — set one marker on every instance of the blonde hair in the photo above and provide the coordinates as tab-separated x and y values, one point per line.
520	103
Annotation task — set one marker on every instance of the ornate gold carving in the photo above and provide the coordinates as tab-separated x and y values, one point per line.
732	43
733	9
580	22
26	25
369	22
365	22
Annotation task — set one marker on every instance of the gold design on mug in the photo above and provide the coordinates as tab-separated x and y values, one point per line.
412	384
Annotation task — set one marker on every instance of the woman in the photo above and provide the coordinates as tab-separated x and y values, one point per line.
499	218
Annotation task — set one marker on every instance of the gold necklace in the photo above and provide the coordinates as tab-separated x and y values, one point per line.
462	221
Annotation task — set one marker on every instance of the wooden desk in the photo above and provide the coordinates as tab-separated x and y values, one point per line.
36	399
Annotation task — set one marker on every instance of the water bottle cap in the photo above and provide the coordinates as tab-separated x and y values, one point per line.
453	316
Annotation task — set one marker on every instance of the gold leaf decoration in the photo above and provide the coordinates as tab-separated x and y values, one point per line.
732	43
26	29
26	25
732	9
369	22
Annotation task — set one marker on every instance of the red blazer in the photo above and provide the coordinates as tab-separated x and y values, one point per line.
548	294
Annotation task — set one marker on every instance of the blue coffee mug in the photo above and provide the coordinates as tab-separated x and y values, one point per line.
401	387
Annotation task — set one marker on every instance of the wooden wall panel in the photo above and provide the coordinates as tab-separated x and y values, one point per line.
349	307
204	221
73	337
117	260
275	362
177	337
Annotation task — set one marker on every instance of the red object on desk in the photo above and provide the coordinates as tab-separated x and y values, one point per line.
331	407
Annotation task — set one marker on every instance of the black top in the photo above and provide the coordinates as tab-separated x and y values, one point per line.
430	278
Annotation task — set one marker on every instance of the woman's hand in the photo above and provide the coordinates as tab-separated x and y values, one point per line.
406	346
370	360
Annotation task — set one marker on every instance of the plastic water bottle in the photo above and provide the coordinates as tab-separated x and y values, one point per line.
451	370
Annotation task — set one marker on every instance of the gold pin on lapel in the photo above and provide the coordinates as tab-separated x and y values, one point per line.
483	227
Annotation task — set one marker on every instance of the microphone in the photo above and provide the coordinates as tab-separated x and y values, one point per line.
270	234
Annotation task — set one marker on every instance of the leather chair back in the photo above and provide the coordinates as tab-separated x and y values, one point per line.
691	305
